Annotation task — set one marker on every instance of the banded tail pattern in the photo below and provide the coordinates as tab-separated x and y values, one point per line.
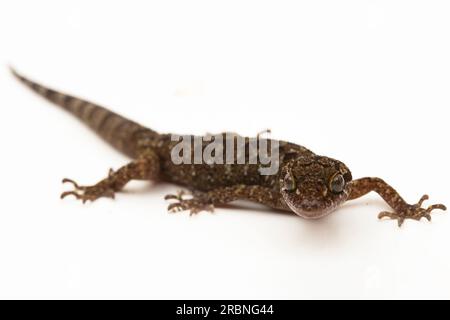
119	131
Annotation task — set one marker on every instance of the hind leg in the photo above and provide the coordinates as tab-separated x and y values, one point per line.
145	167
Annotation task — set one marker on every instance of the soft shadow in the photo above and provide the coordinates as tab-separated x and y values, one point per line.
315	234
361	203
328	232
335	230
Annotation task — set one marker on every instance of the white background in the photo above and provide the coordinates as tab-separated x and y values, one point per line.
366	82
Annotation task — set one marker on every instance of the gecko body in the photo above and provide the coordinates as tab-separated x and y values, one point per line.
310	185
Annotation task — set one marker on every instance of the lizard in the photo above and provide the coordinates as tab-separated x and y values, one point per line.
309	185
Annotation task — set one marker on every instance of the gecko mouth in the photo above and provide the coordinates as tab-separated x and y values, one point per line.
312	213
315	208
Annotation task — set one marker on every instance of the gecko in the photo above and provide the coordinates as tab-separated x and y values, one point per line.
309	185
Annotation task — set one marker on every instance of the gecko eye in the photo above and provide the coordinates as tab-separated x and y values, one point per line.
337	183
289	183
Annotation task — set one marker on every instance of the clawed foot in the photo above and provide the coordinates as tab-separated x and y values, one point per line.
415	212
86	193
192	203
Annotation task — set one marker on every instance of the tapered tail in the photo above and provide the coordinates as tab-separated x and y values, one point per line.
119	131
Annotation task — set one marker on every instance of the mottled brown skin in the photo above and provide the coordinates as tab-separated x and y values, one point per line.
310	185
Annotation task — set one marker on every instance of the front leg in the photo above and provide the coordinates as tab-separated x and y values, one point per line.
205	201
402	210
145	167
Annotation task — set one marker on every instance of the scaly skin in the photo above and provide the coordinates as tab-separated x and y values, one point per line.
310	185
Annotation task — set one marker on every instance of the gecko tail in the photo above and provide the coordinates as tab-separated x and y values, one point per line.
119	131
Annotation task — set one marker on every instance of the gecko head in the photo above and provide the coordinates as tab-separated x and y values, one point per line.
314	186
